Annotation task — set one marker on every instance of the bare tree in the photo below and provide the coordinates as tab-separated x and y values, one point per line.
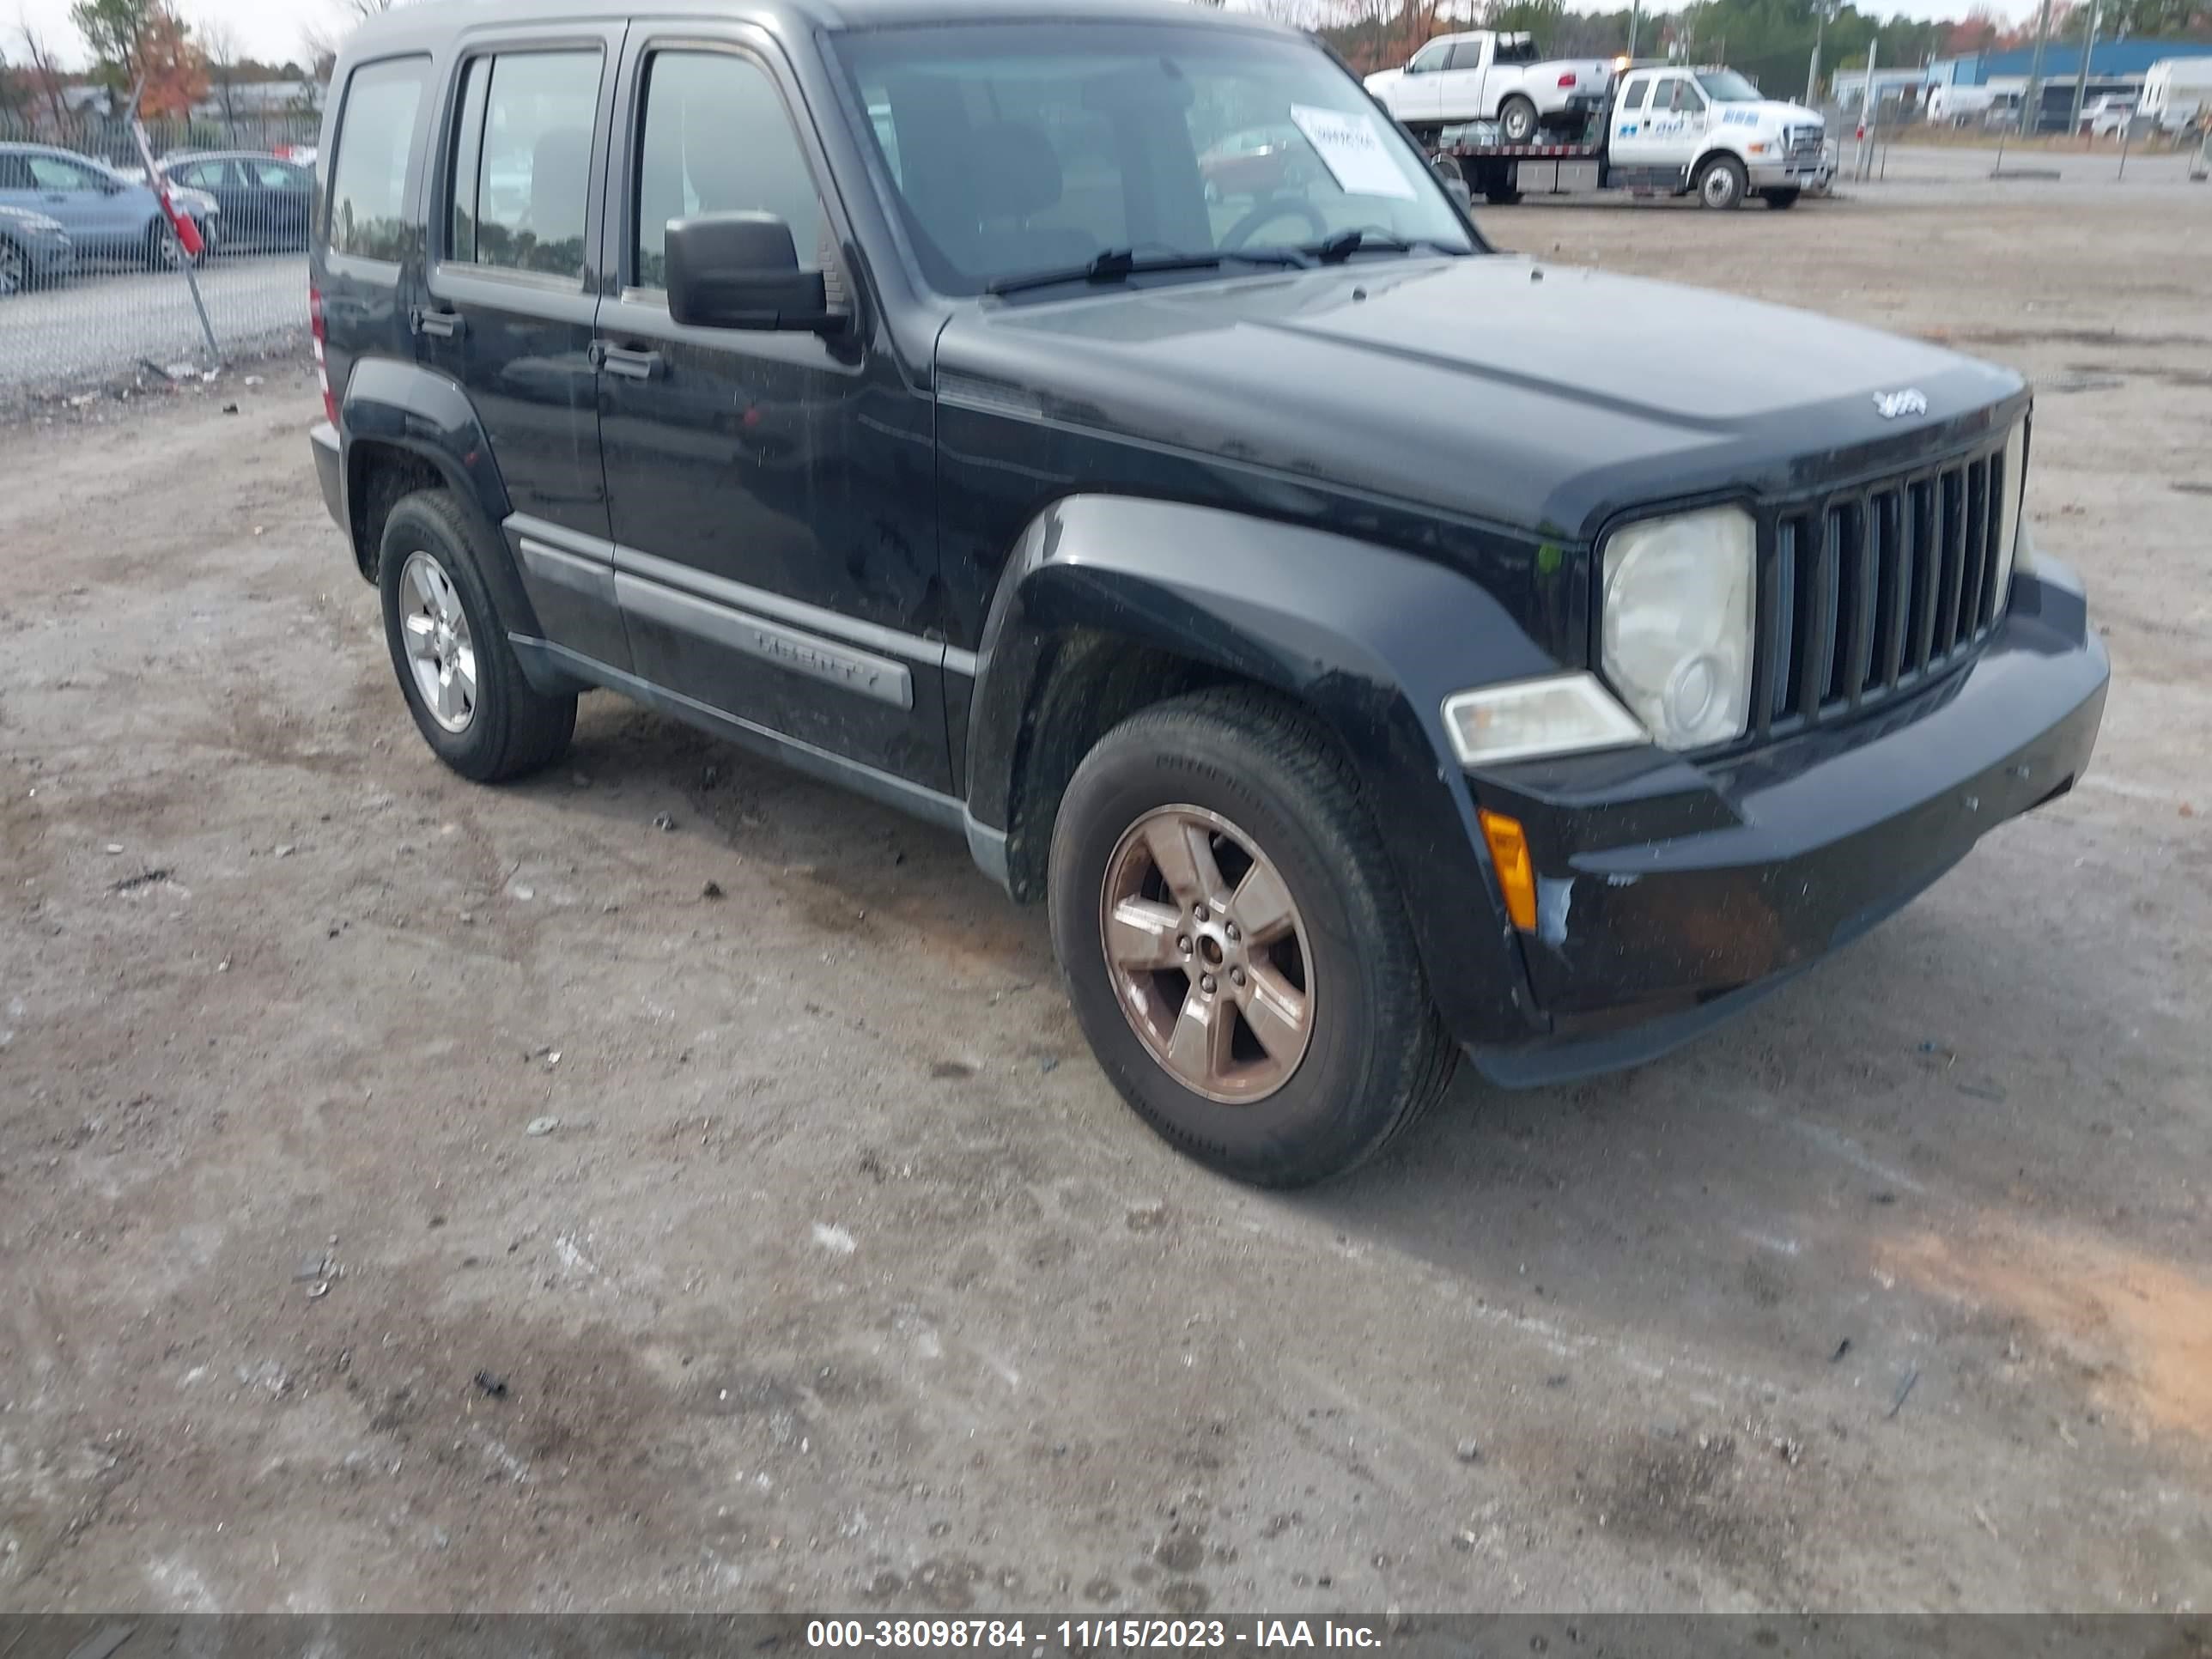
44	74
218	44
321	40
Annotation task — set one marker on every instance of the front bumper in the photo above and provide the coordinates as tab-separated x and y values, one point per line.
1671	892
1790	175
52	258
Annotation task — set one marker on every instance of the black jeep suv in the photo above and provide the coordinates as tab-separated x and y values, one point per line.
1371	648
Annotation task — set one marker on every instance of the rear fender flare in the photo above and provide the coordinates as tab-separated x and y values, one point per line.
1372	640
429	416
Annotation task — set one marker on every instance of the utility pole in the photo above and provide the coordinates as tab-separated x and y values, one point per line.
1635	14
1870	110
2031	98
2081	81
1820	34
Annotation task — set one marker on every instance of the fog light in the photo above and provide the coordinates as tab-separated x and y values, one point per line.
1517	874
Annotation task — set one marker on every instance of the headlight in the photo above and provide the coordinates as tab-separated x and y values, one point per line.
1677	623
1558	715
2015	487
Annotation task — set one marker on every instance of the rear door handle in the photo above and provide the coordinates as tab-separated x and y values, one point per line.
630	364
441	325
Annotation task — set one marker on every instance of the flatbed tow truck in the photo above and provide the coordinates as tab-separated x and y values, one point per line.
1669	131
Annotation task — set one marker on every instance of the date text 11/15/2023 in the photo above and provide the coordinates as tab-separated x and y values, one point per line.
1035	1637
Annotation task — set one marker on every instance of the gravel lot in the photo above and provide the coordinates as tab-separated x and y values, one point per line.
843	1281
106	323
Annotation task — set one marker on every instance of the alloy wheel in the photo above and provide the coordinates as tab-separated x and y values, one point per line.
1207	954
14	271
441	652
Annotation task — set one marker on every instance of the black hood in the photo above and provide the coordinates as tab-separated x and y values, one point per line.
1534	395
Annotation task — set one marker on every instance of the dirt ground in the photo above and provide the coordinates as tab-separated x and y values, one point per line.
840	1279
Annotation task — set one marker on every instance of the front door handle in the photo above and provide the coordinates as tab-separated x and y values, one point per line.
440	325
631	365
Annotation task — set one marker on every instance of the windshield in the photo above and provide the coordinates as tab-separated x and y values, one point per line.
1727	87
1015	150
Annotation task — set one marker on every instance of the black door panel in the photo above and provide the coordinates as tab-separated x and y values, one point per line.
772	494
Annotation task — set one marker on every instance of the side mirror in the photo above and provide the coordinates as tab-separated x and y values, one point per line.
1454	182
741	271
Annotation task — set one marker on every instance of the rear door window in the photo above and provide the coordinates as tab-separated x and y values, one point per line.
375	145
522	161
52	172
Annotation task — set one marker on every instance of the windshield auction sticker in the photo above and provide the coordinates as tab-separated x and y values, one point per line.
1351	150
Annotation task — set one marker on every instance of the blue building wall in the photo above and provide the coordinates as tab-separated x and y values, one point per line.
2062	61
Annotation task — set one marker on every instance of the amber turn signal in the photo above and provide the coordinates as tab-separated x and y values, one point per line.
1517	875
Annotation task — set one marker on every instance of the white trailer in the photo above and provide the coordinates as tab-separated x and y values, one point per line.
2176	90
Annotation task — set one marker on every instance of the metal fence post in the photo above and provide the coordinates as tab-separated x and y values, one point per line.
159	180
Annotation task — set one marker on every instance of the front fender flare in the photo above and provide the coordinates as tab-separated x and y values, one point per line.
1372	640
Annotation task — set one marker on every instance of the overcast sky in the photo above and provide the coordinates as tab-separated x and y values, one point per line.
270	29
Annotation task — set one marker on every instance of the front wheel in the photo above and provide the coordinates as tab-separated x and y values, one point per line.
1517	120
1779	198
1722	182
14	271
1235	944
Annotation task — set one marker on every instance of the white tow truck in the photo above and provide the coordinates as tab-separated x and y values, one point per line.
1669	131
1483	76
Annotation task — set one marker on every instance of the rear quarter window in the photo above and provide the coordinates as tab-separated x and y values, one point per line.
377	128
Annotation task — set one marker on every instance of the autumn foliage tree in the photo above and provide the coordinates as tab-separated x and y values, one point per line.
136	39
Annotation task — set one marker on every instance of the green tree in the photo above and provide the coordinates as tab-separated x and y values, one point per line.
131	39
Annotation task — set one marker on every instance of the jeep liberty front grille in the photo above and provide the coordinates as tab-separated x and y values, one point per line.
1876	591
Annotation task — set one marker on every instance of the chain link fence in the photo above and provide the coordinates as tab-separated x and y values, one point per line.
97	296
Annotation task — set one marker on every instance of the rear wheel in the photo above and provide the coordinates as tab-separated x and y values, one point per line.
1779	198
460	678
1501	195
1517	120
1722	182
1235	944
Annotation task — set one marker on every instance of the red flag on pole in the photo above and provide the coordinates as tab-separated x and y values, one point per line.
187	233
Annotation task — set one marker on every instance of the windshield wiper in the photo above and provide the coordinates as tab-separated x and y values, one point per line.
1118	265
1335	250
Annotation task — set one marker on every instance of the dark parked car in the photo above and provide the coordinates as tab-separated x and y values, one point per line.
266	202
1369	650
106	215
35	251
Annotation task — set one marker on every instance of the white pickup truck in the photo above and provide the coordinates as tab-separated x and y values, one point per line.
1483	76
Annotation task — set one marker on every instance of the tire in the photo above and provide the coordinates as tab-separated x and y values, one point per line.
1265	789
163	251
1517	120
502	727
1780	198
16	274
1501	196
1722	182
